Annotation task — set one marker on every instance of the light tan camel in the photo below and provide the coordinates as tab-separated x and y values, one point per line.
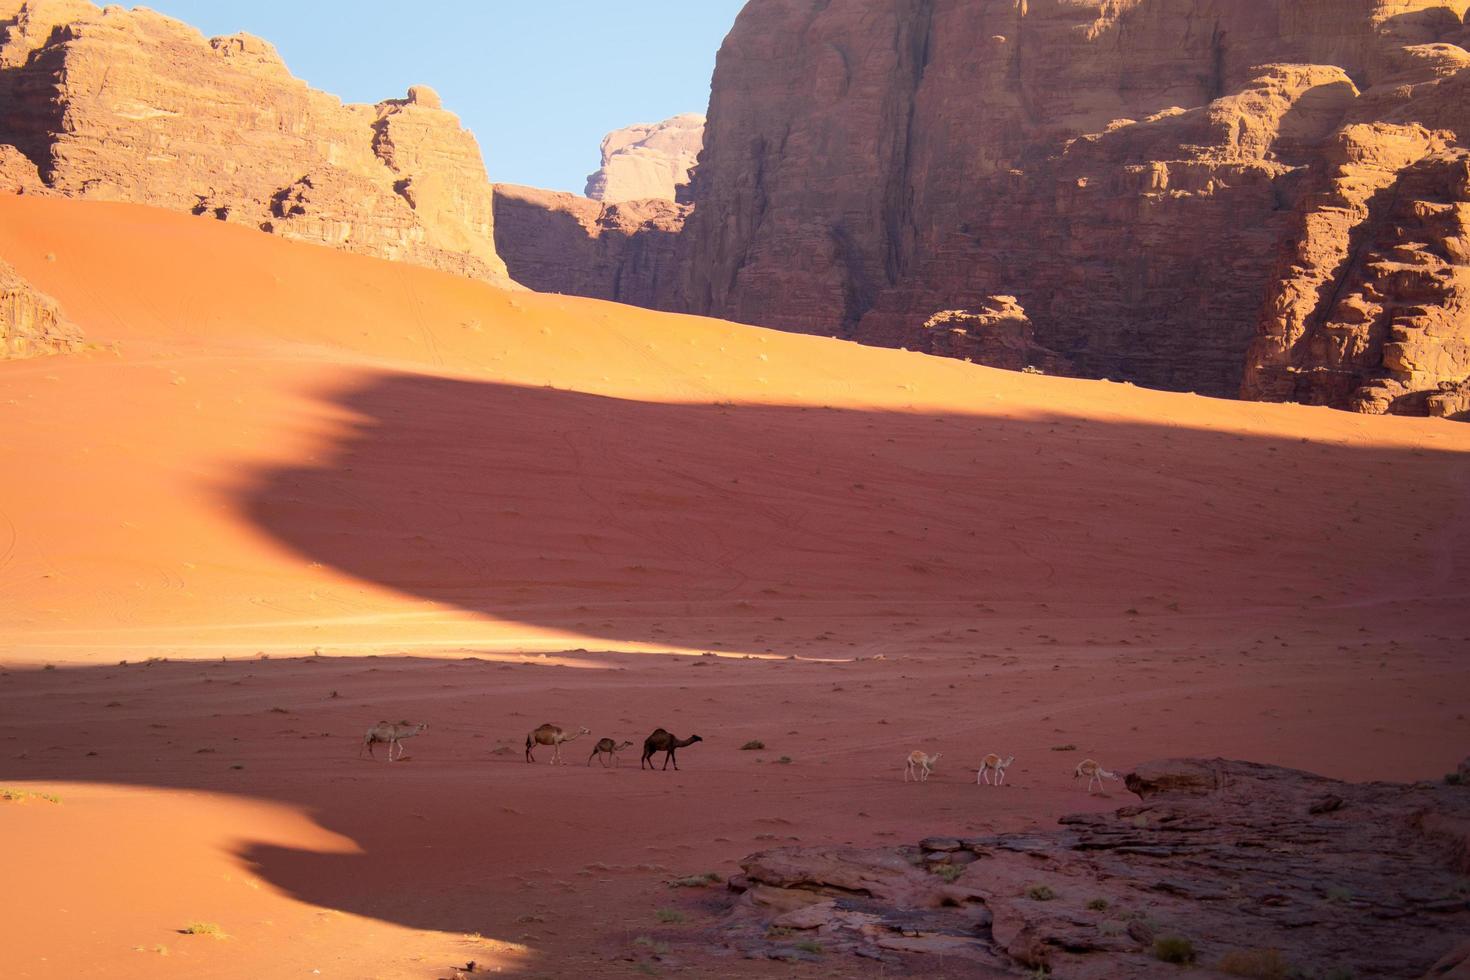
995	763
606	749
386	731
549	734
920	765
1094	772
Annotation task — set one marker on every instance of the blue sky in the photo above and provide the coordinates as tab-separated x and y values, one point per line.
538	81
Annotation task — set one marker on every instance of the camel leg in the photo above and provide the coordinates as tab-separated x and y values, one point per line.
1000	776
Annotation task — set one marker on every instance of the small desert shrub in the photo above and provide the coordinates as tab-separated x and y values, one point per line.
810	946
1339	894
1260	964
1069	747
949	872
203	929
1454	779
1040	893
1098	905
1174	949
785	760
695	881
21	795
754	745
670	916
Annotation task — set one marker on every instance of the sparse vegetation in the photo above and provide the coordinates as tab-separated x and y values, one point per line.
21	795
1339	894
754	745
1069	747
1040	893
1261	964
670	916
810	946
696	881
949	872
1174	949
204	929
1098	905
785	760
1454	779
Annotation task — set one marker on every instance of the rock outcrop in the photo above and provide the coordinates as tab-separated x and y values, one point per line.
1247	869
135	106
647	162
560	243
31	323
998	334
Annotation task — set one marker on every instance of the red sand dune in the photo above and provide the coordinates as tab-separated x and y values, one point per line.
276	450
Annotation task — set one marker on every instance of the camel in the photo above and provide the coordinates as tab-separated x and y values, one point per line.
1094	772
663	741
549	734
606	749
920	765
386	731
995	762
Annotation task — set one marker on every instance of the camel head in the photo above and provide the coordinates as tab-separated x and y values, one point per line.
694	738
1007	761
585	731
935	758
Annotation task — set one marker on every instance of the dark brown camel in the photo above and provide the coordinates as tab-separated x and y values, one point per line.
663	741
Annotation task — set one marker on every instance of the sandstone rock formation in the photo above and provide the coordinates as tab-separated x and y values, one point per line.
1175	191
999	334
645	162
560	243
134	106
1261	870
31	323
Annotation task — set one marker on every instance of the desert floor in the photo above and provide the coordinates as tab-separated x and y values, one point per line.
289	492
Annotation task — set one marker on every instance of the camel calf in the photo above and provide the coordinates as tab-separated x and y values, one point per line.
920	766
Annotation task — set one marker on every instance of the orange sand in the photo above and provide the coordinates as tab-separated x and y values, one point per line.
276	450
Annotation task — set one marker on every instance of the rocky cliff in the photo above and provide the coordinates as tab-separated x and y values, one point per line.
135	106
646	162
1189	194
31	323
561	243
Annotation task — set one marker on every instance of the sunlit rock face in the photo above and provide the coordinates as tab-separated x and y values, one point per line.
647	162
134	106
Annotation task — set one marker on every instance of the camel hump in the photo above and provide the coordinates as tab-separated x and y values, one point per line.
405	722
659	731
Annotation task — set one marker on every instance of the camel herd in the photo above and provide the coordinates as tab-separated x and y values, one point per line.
917	767
659	740
920	764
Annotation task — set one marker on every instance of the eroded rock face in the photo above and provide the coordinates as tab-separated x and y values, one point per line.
1253	865
647	162
561	243
1144	176
134	106
998	334
31	323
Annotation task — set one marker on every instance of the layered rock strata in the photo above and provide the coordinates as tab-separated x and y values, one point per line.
134	106
1235	867
31	323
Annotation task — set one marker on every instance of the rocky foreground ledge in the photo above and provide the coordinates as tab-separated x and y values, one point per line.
1234	867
